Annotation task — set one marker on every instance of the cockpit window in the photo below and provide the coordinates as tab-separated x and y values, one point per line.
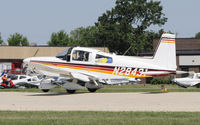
22	77
80	55
103	59
65	55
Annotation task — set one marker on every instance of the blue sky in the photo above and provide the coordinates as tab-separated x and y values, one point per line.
37	19
183	17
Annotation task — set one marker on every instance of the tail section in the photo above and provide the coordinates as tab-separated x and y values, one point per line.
165	55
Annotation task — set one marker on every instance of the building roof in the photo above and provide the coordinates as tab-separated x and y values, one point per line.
22	52
184	46
178	52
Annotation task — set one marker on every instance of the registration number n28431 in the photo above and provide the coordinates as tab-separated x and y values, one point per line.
128	71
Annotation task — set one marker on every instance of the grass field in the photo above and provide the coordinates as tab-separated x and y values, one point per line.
117	88
98	118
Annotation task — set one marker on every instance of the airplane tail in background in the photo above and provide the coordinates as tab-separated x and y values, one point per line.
165	54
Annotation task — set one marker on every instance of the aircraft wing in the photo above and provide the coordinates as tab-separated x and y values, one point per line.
48	71
114	81
87	77
82	77
27	85
37	67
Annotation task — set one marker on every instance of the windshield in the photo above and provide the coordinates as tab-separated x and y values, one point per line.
191	76
64	53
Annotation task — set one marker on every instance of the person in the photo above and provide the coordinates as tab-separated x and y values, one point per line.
5	79
81	56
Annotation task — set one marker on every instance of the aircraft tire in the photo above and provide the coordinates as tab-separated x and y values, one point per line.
2	87
70	91
45	90
92	90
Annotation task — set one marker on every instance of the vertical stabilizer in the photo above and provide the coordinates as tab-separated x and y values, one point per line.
165	55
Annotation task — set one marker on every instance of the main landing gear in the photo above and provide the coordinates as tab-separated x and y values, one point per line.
70	91
45	90
92	90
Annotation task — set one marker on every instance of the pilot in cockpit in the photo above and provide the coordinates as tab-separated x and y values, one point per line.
81	56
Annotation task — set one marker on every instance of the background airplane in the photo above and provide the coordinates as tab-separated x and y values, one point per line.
90	68
24	80
192	80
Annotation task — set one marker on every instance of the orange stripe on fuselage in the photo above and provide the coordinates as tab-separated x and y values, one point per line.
93	69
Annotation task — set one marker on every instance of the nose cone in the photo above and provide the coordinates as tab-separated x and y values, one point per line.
174	80
27	60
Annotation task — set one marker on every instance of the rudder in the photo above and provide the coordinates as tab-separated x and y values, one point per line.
165	55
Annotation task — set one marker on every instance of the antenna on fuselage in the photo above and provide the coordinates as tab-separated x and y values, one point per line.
127	50
36	52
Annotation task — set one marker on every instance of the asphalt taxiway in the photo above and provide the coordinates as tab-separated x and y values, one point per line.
173	101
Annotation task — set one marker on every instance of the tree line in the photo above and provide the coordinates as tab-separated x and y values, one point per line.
123	27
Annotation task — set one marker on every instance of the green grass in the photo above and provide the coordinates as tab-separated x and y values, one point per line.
98	118
117	88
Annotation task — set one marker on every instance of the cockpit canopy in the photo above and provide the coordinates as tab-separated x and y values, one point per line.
194	76
85	55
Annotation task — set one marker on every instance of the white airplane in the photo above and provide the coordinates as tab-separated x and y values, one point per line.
24	80
192	80
91	68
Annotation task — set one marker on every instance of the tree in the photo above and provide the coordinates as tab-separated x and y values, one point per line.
127	23
17	40
83	36
197	35
60	38
1	41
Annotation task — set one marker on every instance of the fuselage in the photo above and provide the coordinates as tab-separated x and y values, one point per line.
101	64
